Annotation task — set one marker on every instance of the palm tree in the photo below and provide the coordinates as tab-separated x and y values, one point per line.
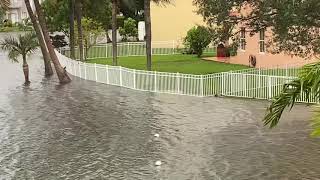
307	82
71	19
114	32
61	72
78	7
43	47
23	46
4	4
147	19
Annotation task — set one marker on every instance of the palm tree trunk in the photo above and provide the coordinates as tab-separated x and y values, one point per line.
79	25
147	19
46	57
72	49
25	70
114	32
61	72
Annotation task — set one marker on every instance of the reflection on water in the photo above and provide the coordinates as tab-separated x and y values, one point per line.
86	130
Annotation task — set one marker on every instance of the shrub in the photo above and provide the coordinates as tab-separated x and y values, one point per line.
7	23
197	39
129	29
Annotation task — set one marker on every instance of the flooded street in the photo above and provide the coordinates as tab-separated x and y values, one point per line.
85	130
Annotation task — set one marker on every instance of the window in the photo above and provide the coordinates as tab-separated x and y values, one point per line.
24	15
243	39
262	41
14	17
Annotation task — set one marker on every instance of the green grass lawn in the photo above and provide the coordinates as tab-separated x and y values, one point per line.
189	64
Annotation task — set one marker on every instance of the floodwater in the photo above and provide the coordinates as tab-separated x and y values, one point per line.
85	130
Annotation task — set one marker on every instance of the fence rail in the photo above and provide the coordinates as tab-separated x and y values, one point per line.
251	83
130	49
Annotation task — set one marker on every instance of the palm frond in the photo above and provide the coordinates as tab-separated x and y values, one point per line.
11	45
13	55
23	45
31	41
308	82
4	4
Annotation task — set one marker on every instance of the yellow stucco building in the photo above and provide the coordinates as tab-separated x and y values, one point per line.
172	21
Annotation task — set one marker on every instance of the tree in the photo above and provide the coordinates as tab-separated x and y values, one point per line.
293	24
91	31
43	47
23	46
4	4
61	72
129	29
56	12
101	12
71	29
197	39
147	19
114	32
78	7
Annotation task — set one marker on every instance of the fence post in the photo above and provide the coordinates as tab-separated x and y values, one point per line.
245	85
128	49
79	70
173	47
106	50
95	72
178	83
120	69
134	79
269	87
74	68
107	73
85	72
201	86
155	81
259	81
223	79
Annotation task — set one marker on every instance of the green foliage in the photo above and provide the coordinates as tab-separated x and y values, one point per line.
294	24
57	13
129	29
7	23
308	82
2	15
99	11
91	31
23	45
197	39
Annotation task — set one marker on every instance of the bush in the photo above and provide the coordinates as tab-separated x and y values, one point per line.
129	29
58	41
197	39
7	23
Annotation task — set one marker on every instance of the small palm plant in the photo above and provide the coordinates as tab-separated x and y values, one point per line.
23	46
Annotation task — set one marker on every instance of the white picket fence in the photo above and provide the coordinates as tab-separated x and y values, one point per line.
126	49
251	83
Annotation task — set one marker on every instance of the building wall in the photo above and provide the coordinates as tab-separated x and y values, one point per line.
18	11
171	22
264	59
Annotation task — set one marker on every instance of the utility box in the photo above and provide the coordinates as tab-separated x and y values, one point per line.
141	30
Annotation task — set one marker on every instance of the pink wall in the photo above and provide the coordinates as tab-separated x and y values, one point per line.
266	59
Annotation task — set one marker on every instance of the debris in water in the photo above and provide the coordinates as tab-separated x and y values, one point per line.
158	163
